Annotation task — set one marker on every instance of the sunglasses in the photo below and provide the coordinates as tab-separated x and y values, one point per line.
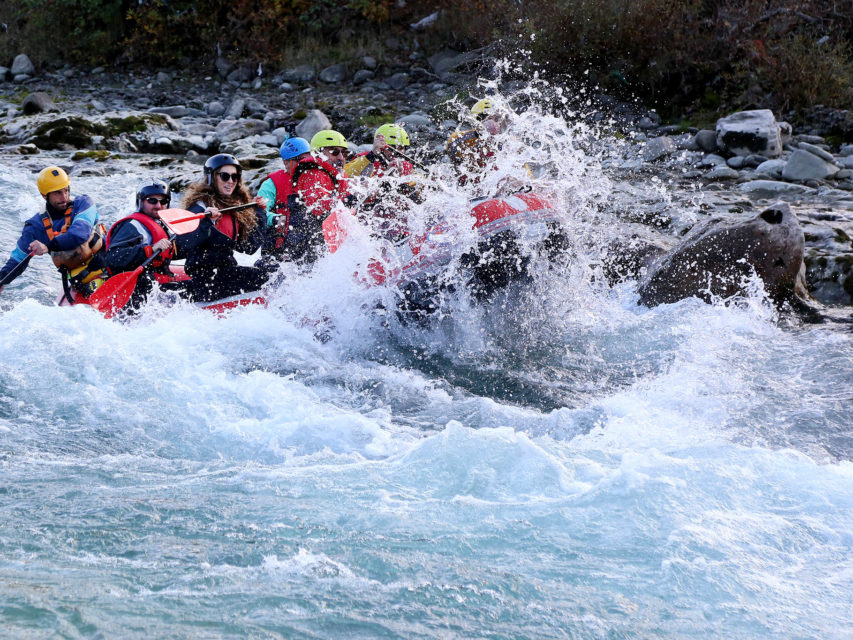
157	200
338	152
228	177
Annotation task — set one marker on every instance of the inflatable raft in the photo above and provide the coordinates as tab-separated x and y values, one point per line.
177	275
505	229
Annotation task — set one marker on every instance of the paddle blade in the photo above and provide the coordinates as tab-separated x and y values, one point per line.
180	220
111	296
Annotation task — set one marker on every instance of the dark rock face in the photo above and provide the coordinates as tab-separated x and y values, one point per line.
716	255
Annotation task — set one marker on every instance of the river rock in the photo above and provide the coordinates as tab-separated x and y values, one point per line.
223	66
4	71
771	167
334	74
361	76
175	111
846	150
823	154
235	109
748	132
240	74
230	130
772	187
369	62
215	108
22	65
302	73
804	165
315	121
718	255
706	140
398	81
722	172
38	102
658	148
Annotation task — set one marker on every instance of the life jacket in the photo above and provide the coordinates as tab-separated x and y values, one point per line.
228	226
79	255
158	232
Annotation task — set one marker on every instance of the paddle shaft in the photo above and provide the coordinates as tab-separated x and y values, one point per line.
410	159
14	272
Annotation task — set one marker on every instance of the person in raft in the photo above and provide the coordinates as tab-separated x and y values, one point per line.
209	250
67	229
134	239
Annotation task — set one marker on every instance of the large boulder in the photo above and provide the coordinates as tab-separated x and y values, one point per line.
315	121
22	65
747	132
716	258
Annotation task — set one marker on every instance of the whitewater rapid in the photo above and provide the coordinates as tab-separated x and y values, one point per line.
559	463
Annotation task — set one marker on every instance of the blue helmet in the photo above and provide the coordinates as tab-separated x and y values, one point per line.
293	147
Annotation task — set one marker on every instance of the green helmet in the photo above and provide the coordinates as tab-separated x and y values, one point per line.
394	134
328	138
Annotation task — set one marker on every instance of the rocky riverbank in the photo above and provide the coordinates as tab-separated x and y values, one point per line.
174	119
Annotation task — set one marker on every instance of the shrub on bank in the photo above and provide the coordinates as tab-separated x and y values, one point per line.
679	54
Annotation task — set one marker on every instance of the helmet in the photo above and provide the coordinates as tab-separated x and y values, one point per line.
219	160
328	138
153	188
394	134
52	179
293	147
482	108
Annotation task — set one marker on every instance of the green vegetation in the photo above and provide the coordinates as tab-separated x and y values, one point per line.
692	55
98	155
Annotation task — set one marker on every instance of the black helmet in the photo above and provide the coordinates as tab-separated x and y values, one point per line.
153	188
219	160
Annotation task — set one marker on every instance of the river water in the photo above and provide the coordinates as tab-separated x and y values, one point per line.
557	463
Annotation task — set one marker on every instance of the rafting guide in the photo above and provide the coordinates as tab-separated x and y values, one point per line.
67	229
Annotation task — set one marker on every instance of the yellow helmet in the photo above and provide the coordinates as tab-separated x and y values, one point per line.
394	134
482	108
328	138
52	179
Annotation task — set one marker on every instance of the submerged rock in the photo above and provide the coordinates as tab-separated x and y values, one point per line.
718	255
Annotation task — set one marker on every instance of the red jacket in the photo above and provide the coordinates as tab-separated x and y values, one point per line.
319	185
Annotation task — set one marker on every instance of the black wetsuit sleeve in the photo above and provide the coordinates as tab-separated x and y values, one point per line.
256	238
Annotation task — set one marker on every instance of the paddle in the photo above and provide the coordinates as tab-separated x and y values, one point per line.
182	221
111	296
409	158
14	272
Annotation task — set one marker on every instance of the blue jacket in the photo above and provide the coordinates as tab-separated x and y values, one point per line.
84	217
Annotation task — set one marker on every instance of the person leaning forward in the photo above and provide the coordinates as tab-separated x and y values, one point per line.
134	239
67	229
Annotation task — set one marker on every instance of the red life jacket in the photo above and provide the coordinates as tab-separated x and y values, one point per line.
157	231
309	173
283	188
227	225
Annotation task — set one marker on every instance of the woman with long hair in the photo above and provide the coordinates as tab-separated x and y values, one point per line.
209	250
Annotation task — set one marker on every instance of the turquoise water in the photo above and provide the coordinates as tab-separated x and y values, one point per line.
560	464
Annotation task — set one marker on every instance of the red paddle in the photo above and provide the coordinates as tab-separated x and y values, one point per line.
111	296
181	221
